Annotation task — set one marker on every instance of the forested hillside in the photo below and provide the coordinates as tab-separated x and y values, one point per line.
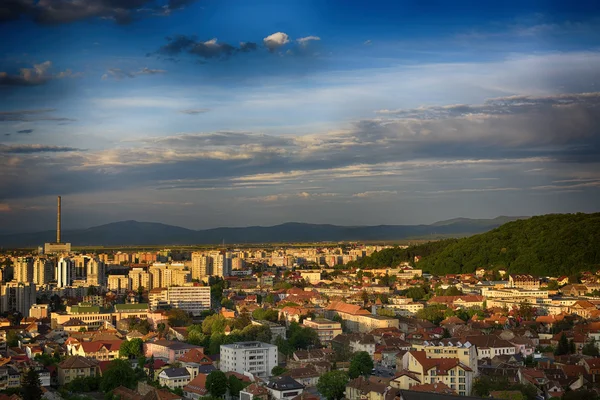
557	244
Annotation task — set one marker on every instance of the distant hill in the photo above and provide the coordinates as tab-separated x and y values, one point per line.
149	233
556	244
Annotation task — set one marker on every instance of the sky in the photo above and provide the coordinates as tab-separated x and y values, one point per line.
212	113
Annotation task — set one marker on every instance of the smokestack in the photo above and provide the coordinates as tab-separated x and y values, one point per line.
58	222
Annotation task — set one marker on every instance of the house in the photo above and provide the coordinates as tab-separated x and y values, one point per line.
405	379
101	350
307	376
254	392
174	378
489	346
438	387
371	388
524	281
450	371
168	350
284	387
76	367
196	388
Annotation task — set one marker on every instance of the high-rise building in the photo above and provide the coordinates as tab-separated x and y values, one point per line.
65	270
95	272
156	273
23	269
43	270
139	278
201	266
17	296
119	283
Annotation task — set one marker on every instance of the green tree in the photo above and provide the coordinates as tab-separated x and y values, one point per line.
235	385
526	311
119	372
361	364
178	317
590	349
434	313
563	345
553	284
386	312
267	314
12	338
278	370
216	383
332	385
580	395
133	348
31	385
300	337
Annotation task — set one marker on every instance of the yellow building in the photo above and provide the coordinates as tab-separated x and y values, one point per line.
76	367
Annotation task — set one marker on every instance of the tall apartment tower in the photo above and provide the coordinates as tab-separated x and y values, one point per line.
65	271
201	266
95	272
23	270
43	270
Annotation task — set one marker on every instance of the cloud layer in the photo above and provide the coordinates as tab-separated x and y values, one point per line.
68	11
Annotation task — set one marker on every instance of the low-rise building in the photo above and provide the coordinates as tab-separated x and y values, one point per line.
76	367
326	328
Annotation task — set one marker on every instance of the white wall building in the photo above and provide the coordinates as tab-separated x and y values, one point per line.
64	272
257	358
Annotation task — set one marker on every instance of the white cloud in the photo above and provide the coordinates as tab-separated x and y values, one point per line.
276	40
304	41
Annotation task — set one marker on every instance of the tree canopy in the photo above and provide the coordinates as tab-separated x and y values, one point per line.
555	244
216	383
133	348
332	384
361	364
119	372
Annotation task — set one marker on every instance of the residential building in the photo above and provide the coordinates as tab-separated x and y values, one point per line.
65	271
257	358
201	266
139	278
39	311
174	378
43	271
449	371
523	281
168	350
489	346
357	319
190	297
17	296
23	269
277	330
119	283
326	328
284	387
76	367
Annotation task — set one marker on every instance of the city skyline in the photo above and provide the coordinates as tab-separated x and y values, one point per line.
205	114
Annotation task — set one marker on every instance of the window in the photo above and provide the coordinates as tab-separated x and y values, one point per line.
461	387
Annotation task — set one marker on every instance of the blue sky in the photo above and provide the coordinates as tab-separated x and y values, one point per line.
229	113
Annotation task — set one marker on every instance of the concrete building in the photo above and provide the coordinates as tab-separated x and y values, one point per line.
189	297
139	278
358	319
119	283
23	269
39	311
65	270
43	271
17	296
257	358
326	328
95	272
201	266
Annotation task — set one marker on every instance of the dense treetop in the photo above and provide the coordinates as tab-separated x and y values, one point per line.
555	244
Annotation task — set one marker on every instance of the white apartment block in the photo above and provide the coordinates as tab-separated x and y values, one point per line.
189	297
257	358
65	271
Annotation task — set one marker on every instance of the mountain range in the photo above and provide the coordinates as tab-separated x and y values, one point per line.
132	233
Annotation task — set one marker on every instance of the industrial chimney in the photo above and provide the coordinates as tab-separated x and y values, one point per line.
58	222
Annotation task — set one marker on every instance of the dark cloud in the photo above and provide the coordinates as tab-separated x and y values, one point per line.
34	148
195	111
118	73
39	74
498	106
209	49
32	115
370	149
25	131
68	11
